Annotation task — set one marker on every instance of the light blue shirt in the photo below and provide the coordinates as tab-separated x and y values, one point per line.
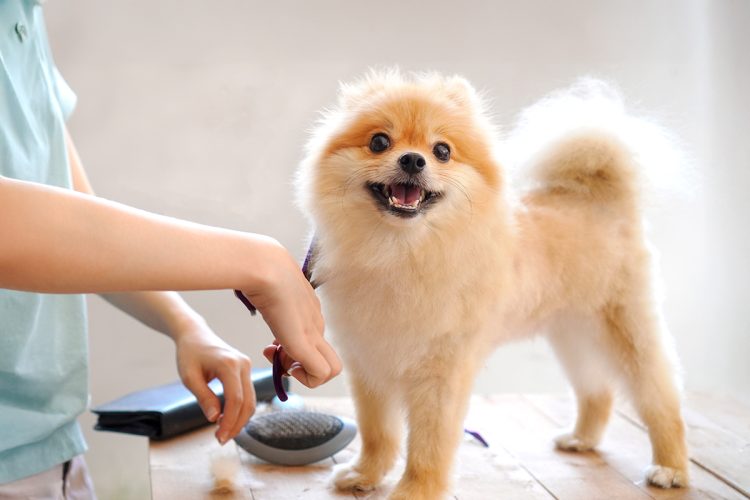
43	338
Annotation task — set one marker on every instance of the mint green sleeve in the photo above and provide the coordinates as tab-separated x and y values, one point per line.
64	95
66	98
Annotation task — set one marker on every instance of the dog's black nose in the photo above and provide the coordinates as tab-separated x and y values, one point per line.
412	163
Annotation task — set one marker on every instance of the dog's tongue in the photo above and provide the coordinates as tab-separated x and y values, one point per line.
405	194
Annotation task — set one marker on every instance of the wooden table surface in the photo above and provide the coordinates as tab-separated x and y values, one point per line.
520	463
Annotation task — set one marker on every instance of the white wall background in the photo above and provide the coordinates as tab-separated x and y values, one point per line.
199	110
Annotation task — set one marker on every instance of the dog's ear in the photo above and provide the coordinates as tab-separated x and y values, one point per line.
459	90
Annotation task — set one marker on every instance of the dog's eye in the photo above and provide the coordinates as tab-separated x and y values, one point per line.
379	143
442	152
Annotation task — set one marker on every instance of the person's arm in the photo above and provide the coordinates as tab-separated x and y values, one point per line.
58	241
201	354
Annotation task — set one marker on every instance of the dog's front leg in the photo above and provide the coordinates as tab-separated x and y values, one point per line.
380	429
437	398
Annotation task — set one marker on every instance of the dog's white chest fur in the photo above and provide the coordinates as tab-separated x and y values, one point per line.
386	321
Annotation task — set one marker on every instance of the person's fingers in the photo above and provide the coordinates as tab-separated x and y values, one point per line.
269	351
248	400
333	359
316	367
297	372
319	323
207	400
289	364
317	311
230	379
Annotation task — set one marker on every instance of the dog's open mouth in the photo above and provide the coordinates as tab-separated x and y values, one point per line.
402	199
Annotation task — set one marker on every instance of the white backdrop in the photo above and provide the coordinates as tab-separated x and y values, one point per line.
200	109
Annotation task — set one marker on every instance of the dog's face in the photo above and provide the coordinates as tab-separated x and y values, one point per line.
405	187
401	152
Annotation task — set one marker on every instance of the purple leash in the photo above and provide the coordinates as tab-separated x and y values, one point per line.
278	369
244	300
478	437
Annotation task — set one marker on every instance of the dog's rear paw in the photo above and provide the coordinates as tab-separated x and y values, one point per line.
666	477
347	477
570	442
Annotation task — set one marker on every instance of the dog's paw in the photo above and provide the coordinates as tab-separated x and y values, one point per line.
346	477
406	493
400	495
666	477
427	487
570	442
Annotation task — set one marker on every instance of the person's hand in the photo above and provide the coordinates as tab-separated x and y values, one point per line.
292	310
203	356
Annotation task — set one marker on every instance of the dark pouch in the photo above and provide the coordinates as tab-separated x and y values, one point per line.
168	410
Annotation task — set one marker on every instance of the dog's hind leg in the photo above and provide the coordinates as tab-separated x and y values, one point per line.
577	342
380	425
638	337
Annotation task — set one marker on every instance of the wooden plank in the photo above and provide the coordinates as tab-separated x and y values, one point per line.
276	482
718	450
492	473
181	467
729	413
626	447
513	423
479	472
520	463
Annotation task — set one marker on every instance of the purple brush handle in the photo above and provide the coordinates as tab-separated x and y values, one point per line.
278	372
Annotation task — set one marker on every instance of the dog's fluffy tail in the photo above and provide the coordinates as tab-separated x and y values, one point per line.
582	142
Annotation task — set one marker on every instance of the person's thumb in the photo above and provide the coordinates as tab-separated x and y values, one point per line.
207	400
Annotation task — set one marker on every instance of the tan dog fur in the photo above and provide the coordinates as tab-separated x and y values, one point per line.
416	305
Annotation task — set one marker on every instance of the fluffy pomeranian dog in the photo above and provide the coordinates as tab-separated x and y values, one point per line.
427	262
